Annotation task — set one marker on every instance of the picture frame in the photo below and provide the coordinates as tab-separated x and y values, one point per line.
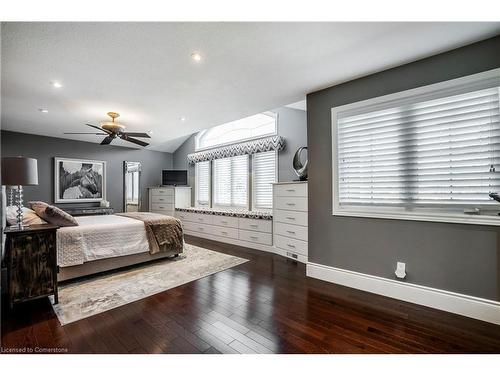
79	180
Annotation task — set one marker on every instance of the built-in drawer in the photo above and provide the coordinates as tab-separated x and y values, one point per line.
257	237
225	221
162	192
291	190
201	218
183	216
159	207
290	217
195	227
289	230
291	203
224	232
256	225
291	244
162	198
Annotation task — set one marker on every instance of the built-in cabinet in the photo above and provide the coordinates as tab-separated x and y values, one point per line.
164	200
290	219
242	231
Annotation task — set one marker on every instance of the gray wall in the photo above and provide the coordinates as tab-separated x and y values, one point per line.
46	148
454	257
291	125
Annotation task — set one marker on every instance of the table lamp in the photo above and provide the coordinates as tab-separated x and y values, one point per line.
19	171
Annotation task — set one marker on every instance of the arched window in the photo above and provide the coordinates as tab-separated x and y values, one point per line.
252	127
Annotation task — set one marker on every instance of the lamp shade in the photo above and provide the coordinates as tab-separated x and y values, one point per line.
19	170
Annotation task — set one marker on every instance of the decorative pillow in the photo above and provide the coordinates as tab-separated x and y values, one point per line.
58	217
29	216
39	207
53	214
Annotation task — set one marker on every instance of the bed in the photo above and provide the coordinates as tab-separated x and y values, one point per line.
104	242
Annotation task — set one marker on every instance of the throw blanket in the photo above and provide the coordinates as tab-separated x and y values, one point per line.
164	232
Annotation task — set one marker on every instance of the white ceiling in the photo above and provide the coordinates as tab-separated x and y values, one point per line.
145	72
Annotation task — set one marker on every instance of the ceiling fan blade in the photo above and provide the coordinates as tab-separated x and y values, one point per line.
101	129
133	140
85	133
107	140
140	135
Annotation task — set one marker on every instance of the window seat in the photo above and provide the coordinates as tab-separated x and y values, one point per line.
235	212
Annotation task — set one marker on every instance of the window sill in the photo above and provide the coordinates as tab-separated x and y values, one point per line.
440	218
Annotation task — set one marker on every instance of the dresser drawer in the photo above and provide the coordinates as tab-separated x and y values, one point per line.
290	244
195	227
225	221
224	232
257	237
256	225
291	203
291	190
156	192
289	230
290	217
201	218
162	207
162	199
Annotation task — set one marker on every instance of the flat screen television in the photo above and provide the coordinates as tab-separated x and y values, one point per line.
175	178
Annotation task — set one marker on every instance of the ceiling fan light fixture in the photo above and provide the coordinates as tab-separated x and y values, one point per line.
112	125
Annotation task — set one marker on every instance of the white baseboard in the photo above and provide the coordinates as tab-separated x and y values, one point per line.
473	307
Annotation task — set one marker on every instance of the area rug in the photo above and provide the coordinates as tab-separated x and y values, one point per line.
92	296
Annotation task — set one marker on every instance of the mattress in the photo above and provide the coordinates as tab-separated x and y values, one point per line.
98	237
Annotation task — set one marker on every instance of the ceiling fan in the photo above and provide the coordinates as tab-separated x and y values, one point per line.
112	129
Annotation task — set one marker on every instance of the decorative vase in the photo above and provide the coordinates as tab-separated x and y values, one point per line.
299	168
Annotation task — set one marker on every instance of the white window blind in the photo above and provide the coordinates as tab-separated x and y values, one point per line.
264	174
202	183
230	181
434	153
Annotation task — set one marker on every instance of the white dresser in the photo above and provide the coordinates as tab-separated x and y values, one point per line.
164	200
290	219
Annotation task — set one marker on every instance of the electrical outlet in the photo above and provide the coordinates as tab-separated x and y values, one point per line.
400	270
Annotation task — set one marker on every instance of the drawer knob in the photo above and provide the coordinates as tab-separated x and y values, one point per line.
254	238
290	190
290	218
200	219
290	245
254	225
224	233
290	204
200	229
290	231
224	222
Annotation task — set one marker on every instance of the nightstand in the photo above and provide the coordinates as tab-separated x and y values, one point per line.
31	262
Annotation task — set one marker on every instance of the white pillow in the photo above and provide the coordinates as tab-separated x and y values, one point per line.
29	216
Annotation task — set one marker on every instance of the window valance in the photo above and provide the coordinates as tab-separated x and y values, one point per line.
246	148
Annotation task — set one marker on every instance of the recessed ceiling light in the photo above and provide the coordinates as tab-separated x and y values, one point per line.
56	84
150	132
196	56
183	119
43	110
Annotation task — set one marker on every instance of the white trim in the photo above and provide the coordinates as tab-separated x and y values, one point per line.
473	307
477	81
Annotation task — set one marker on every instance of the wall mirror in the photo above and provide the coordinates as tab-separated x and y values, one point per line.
131	186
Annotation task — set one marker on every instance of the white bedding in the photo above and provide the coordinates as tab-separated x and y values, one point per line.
98	237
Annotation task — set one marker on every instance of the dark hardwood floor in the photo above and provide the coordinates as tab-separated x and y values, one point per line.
266	305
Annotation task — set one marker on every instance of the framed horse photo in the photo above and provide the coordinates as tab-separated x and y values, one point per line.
78	180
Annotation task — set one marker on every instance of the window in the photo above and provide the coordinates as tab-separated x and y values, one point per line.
257	126
424	154
202	183
264	174
230	182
